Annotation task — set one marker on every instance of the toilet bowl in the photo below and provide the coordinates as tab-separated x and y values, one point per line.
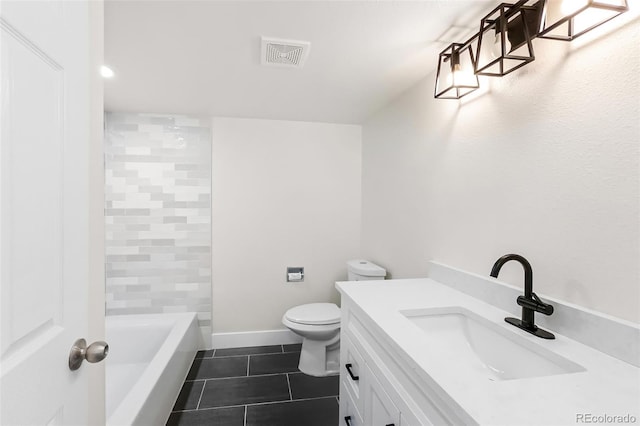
319	325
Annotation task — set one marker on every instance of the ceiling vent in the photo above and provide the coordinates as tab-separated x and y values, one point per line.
284	53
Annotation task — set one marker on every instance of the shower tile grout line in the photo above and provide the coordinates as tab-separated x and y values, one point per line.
245	415
248	360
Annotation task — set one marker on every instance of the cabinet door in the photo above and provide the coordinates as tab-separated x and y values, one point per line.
379	409
349	414
351	371
407	419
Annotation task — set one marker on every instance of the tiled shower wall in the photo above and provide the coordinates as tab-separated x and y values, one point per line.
158	215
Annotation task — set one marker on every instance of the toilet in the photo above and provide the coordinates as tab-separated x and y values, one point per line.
319	325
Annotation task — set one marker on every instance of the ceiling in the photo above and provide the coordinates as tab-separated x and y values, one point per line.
203	57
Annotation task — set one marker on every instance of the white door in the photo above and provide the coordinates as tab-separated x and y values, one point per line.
44	212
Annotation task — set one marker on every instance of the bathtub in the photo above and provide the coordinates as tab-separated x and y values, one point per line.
149	358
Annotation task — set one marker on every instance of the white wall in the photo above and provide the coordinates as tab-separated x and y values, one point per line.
284	194
545	165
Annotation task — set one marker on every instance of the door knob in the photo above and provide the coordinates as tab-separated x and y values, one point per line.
95	352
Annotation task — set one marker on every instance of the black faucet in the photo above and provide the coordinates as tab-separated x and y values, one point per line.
530	302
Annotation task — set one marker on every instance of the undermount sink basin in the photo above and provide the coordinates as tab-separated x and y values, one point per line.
474	345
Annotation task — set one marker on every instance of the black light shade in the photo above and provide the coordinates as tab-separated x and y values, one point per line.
504	43
455	77
568	19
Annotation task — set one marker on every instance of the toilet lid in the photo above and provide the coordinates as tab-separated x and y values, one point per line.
314	313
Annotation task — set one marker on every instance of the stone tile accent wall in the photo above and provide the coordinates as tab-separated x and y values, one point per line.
158	215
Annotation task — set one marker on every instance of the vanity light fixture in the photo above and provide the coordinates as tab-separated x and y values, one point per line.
568	19
456	72
504	44
504	40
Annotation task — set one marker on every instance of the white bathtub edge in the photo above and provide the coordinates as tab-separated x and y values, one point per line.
254	338
151	399
157	408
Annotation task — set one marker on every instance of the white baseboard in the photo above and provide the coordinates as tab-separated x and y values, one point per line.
254	338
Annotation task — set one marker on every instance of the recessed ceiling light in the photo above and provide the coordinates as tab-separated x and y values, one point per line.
106	72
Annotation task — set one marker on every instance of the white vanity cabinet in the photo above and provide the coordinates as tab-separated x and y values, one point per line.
375	388
422	353
363	400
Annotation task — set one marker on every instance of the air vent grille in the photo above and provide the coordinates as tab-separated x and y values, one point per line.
284	53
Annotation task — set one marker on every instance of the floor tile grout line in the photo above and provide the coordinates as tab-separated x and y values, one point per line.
250	375
201	392
277	353
289	386
240	377
202	357
248	360
284	401
194	380
239	355
282	351
213	355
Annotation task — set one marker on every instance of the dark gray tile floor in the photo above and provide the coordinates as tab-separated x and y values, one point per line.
257	386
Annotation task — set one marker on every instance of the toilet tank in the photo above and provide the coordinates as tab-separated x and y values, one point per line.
363	270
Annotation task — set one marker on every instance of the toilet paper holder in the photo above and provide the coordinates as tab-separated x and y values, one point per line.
295	274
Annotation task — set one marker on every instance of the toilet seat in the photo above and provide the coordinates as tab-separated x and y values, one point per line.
314	314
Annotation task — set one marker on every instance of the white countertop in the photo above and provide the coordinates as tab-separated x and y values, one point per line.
608	386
